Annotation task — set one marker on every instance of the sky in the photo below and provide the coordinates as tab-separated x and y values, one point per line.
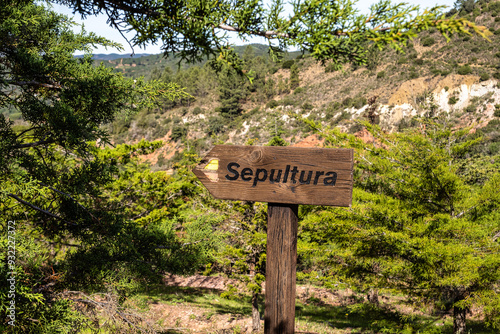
98	25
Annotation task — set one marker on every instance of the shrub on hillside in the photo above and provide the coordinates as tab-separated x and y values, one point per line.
272	104
418	61
471	108
428	41
484	76
307	106
494	7
298	90
215	125
288	101
332	67
464	70
287	64
413	75
178	132
497	110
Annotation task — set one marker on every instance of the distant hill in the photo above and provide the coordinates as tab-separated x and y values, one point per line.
113	56
144	64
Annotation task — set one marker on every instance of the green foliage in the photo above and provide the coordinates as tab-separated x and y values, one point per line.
294	77
179	132
287	64
356	102
272	104
30	279
125	224
418	61
464	70
332	67
484	76
298	90
109	220
452	100
373	59
244	256
277	141
215	125
428	41
471	108
465	6
413	74
307	106
402	60
193	30
414	224
231	93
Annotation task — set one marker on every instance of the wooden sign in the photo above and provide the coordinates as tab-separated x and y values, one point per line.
284	177
292	175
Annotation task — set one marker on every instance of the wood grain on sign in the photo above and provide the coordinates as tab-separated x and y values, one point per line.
293	175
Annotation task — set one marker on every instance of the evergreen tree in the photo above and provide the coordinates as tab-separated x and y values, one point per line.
415	225
244	256
294	76
231	92
98	208
270	88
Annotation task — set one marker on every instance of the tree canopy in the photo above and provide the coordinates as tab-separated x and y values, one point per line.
328	30
63	185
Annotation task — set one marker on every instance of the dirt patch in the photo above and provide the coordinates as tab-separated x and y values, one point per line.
310	141
199	281
410	90
192	319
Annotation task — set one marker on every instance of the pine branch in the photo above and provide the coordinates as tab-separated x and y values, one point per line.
48	213
74	200
34	83
34	144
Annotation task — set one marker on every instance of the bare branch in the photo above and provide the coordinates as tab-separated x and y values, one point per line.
34	144
48	213
68	195
266	34
34	83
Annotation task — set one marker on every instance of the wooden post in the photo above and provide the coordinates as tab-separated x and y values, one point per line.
281	262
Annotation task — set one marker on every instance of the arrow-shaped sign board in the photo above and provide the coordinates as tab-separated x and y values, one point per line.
293	175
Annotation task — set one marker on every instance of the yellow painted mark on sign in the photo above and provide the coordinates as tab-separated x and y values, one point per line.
213	164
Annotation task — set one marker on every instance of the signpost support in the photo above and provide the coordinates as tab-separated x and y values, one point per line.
281	262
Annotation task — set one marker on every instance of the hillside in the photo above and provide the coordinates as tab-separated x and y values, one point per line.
145	64
458	80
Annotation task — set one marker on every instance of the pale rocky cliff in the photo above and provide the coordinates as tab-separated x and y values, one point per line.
451	95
